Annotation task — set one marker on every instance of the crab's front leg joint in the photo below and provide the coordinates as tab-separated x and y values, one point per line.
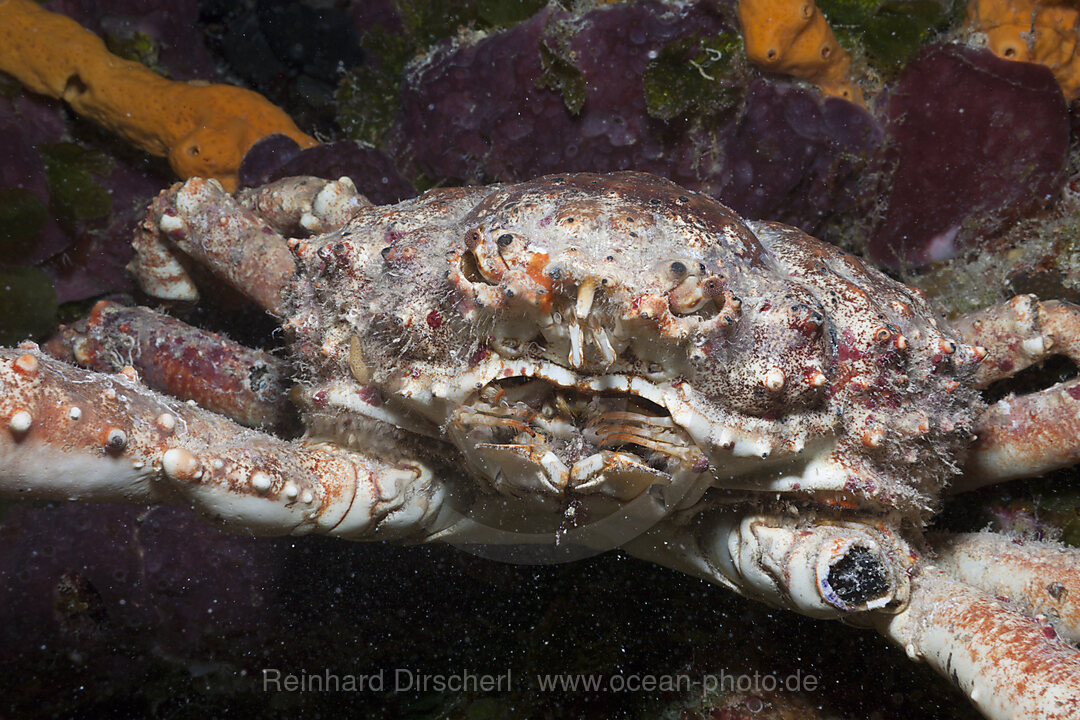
278	488
296	206
1011	335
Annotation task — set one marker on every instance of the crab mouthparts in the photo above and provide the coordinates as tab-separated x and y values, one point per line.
530	436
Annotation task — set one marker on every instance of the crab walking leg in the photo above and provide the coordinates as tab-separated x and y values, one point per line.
1030	434
1003	661
1023	436
1020	333
201	219
296	206
249	386
68	433
1039	578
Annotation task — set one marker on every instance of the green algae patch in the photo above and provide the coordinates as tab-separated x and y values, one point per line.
27	304
890	31
694	76
368	96
137	47
558	72
22	215
74	193
367	101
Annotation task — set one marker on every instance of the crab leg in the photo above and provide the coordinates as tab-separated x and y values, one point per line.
1024	435
1040	578
1004	662
821	570
1029	434
1019	333
249	386
68	433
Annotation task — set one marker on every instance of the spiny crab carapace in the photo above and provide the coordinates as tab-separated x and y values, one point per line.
573	364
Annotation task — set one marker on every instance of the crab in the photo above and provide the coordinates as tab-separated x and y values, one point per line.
552	369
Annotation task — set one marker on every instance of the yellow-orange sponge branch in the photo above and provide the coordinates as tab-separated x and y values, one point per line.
792	37
203	129
1037	31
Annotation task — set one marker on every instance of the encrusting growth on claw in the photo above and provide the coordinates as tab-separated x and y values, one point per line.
249	386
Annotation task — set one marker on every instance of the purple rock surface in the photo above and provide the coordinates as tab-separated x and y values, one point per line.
84	258
974	141
26	122
278	156
793	156
482	111
86	581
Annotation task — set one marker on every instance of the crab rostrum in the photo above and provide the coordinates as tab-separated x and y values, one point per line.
572	364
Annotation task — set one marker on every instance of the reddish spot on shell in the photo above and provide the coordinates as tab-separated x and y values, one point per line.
371	395
434	319
850	352
479	355
1050	633
1074	392
847	349
1005	365
535	271
319	398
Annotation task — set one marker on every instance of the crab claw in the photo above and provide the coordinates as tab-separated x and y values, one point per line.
827	570
820	570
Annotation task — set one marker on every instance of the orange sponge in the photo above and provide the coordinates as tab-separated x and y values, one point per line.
1032	31
203	129
793	38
